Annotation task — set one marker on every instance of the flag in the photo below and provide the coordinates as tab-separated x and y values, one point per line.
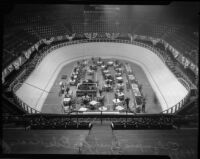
48	41
37	46
162	41
174	52
4	74
183	60
166	45
73	35
10	68
60	37
40	42
27	53
108	35
94	35
88	35
112	35
3	79
67	36
187	62
179	58
192	66
170	47
70	37
150	38
23	60
115	35
32	48
154	41
16	64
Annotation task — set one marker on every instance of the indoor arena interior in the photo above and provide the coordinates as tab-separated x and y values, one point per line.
85	80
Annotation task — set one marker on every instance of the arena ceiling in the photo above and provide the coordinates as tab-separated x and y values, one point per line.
183	12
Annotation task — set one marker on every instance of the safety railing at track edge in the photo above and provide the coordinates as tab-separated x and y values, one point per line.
25	106
171	110
185	84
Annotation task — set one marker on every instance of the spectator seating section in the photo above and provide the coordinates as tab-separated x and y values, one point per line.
45	26
45	122
15	43
185	43
145	122
47	31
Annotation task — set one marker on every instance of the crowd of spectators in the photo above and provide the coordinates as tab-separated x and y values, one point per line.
57	23
12	120
51	121
152	30
43	122
145	122
46	122
185	43
15	42
48	30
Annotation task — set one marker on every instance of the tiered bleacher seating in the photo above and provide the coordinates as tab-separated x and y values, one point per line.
98	22
56	123
145	122
46	31
14	20
77	27
15	43
152	30
44	122
101	27
184	43
8	57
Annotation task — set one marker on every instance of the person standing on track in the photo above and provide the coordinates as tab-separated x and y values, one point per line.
100	91
61	87
61	84
67	89
127	99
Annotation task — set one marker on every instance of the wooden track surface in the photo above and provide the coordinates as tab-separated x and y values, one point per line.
166	87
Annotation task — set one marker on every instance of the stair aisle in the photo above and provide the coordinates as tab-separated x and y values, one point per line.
100	140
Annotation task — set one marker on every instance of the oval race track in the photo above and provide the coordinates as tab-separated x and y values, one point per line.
168	89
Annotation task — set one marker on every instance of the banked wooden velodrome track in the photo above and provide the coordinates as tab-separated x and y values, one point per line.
168	89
